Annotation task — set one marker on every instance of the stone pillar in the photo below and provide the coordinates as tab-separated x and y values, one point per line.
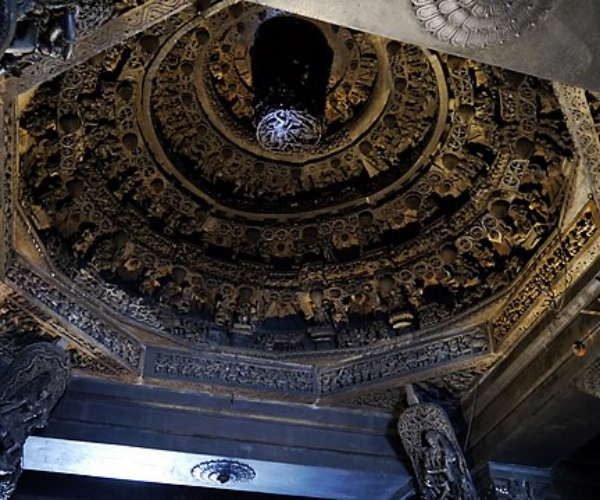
29	390
429	440
515	482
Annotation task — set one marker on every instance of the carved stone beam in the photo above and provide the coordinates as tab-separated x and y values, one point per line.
29	390
108	35
576	110
437	459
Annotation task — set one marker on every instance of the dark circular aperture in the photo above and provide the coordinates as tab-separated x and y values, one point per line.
291	64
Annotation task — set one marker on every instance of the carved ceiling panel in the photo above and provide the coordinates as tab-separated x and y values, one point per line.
437	181
169	240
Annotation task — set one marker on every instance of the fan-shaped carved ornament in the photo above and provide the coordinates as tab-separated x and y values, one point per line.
480	23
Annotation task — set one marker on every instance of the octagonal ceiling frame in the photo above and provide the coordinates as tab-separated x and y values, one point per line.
340	377
32	275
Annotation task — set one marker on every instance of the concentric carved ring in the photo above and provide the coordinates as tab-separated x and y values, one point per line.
197	118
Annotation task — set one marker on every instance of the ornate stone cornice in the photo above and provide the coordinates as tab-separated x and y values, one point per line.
86	357
120	346
8	156
560	263
590	380
444	355
581	125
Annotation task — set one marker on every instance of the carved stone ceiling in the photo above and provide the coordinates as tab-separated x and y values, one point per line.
149	222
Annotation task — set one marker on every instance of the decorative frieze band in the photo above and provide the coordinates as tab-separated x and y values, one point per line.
580	121
435	355
120	345
231	371
288	378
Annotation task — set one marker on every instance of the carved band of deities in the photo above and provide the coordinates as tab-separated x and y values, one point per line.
86	356
29	390
23	324
462	347
123	347
544	278
263	375
580	121
480	23
108	35
231	371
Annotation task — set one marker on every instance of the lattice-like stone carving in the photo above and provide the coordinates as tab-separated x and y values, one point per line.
590	380
29	390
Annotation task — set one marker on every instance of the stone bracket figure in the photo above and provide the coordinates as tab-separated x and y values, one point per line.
430	442
29	390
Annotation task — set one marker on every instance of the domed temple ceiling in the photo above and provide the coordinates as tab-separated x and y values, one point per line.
416	241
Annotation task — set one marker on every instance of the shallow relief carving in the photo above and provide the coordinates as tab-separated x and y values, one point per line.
313	381
432	356
123	347
232	371
29	390
512	482
22	323
590	380
583	129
